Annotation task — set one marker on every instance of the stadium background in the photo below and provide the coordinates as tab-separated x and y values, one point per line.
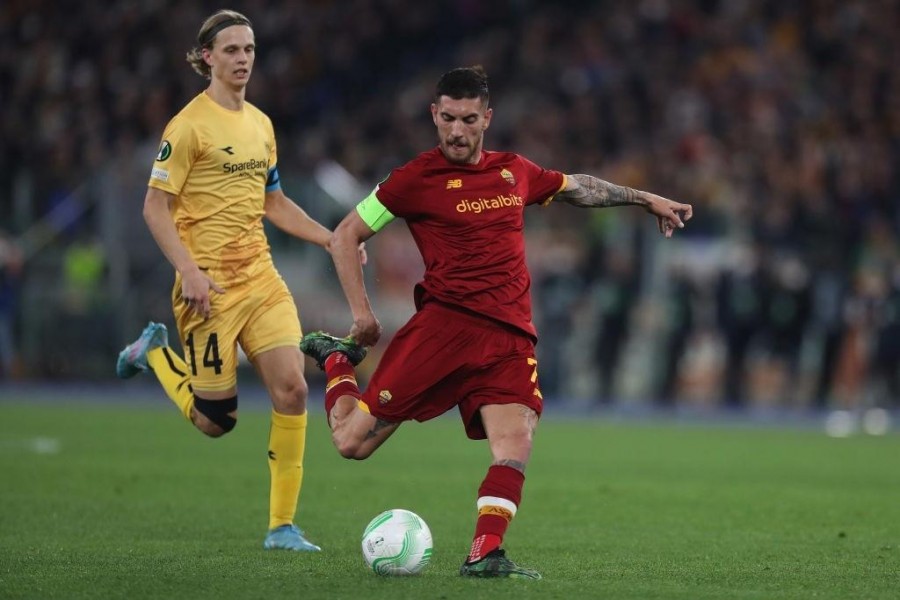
778	120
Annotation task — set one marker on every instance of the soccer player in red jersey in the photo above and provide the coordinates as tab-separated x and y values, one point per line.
471	342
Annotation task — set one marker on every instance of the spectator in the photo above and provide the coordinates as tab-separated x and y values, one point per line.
788	312
679	317
740	302
776	119
886	356
11	263
615	294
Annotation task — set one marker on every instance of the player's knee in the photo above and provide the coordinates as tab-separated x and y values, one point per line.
517	436
352	449
215	418
290	397
209	428
512	443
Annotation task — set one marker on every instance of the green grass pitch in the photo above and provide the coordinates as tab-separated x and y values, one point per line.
126	500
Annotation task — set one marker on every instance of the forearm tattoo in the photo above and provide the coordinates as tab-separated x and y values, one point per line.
597	193
376	429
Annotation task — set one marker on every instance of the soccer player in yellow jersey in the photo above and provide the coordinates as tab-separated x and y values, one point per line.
214	179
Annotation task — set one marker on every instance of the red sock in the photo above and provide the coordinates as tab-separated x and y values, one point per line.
341	380
498	500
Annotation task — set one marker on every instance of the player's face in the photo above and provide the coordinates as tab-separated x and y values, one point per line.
232	56
460	126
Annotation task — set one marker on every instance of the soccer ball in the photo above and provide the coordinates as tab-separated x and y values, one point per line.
397	542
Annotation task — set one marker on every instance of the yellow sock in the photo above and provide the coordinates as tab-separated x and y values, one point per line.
287	442
172	373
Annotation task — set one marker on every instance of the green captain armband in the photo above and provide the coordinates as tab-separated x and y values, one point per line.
373	212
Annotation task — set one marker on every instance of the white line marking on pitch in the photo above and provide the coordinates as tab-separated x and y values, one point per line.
37	445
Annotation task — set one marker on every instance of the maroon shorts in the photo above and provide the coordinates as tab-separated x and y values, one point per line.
444	358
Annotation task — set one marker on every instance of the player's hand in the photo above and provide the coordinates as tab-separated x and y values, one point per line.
366	330
195	288
670	215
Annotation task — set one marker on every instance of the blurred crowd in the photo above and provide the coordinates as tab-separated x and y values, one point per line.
779	120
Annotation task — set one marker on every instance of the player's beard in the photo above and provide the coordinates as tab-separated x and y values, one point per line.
460	155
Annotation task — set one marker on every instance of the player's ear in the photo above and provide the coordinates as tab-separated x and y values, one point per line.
487	118
434	113
206	53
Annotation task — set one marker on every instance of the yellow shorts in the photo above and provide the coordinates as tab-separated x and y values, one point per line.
259	314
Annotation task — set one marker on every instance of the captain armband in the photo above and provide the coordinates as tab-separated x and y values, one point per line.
273	180
373	212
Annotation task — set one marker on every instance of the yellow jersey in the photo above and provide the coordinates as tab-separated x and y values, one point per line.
219	164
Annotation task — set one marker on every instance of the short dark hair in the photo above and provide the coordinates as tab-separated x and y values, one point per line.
464	82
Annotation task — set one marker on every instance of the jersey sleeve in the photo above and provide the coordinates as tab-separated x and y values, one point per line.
543	184
392	191
177	152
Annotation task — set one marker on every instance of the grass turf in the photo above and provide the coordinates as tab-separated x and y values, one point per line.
129	501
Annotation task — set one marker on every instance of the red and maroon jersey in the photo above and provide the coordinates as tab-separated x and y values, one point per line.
468	223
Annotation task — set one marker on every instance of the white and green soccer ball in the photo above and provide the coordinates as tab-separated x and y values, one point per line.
397	542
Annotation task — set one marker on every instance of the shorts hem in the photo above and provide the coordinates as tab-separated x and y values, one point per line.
279	344
216	388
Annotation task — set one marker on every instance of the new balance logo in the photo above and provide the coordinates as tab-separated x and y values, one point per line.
229	150
454	184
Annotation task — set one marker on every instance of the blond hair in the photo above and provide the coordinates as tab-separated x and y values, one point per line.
206	37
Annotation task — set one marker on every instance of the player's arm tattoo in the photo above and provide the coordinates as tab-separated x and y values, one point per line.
377	428
592	192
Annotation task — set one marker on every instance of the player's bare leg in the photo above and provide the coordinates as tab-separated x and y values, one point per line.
212	412
342	411
510	429
355	432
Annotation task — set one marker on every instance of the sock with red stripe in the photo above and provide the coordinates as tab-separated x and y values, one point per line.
341	380
498	500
